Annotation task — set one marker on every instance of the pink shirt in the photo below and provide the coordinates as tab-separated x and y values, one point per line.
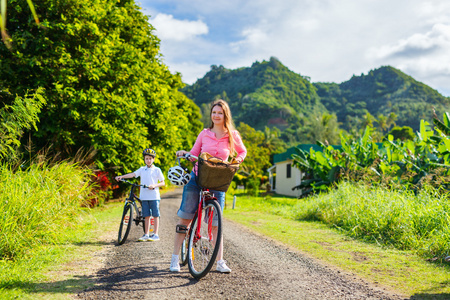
207	142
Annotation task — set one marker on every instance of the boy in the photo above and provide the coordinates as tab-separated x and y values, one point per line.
153	178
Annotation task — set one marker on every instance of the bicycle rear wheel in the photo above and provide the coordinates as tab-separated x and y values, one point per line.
125	223
204	240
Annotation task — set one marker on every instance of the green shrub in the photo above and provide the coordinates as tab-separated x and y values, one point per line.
393	218
39	204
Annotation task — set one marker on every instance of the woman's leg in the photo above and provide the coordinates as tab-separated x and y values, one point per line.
220	252
179	237
188	207
221	199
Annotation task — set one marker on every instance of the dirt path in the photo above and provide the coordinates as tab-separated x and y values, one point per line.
261	269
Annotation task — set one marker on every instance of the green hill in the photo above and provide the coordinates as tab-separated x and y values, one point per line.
265	94
269	94
382	91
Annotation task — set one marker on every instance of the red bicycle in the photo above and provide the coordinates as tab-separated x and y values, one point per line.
201	245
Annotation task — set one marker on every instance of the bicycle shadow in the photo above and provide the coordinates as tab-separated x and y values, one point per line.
127	278
134	279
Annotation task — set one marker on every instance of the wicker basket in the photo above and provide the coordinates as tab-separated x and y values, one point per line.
214	173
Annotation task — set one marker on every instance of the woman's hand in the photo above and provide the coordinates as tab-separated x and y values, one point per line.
181	153
239	160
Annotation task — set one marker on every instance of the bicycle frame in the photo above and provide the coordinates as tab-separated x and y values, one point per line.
204	196
133	198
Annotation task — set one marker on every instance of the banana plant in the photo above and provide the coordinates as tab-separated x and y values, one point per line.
406	162
322	167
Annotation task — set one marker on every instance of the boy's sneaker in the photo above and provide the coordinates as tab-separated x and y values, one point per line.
154	238
222	267
144	238
174	264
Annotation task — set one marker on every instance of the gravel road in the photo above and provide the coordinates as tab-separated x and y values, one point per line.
261	269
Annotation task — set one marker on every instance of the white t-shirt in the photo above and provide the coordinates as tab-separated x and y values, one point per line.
149	176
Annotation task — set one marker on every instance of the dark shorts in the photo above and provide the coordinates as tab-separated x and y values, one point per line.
150	208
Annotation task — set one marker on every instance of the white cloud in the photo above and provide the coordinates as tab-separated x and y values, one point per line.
190	70
425	56
417	45
324	39
168	28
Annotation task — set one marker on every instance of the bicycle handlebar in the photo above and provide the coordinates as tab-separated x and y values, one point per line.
134	184
187	156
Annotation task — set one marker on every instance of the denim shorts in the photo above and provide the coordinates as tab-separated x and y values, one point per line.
191	196
150	208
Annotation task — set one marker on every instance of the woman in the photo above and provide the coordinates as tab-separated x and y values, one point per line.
220	140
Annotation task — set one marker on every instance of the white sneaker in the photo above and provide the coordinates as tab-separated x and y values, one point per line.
222	267
174	264
154	238
144	238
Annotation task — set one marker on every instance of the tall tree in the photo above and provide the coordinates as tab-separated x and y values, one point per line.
272	140
258	158
382	122
320	127
105	83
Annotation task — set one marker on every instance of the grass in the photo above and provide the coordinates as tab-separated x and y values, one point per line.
60	270
43	221
405	272
36	202
403	220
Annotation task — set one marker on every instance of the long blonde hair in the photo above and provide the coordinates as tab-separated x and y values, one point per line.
228	122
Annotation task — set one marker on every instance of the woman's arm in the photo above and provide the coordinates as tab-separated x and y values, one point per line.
239	147
197	148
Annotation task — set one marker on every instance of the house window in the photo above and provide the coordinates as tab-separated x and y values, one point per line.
288	171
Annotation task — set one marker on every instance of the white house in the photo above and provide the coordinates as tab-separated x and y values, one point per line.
283	175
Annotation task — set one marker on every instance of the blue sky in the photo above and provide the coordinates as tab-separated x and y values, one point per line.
329	41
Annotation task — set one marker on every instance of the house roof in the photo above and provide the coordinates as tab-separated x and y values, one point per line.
288	154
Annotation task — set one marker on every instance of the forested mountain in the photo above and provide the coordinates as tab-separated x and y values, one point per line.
265	94
382	91
269	94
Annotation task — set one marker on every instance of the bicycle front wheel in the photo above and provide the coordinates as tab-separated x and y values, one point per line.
125	223
204	240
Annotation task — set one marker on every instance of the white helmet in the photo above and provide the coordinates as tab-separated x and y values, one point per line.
178	176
